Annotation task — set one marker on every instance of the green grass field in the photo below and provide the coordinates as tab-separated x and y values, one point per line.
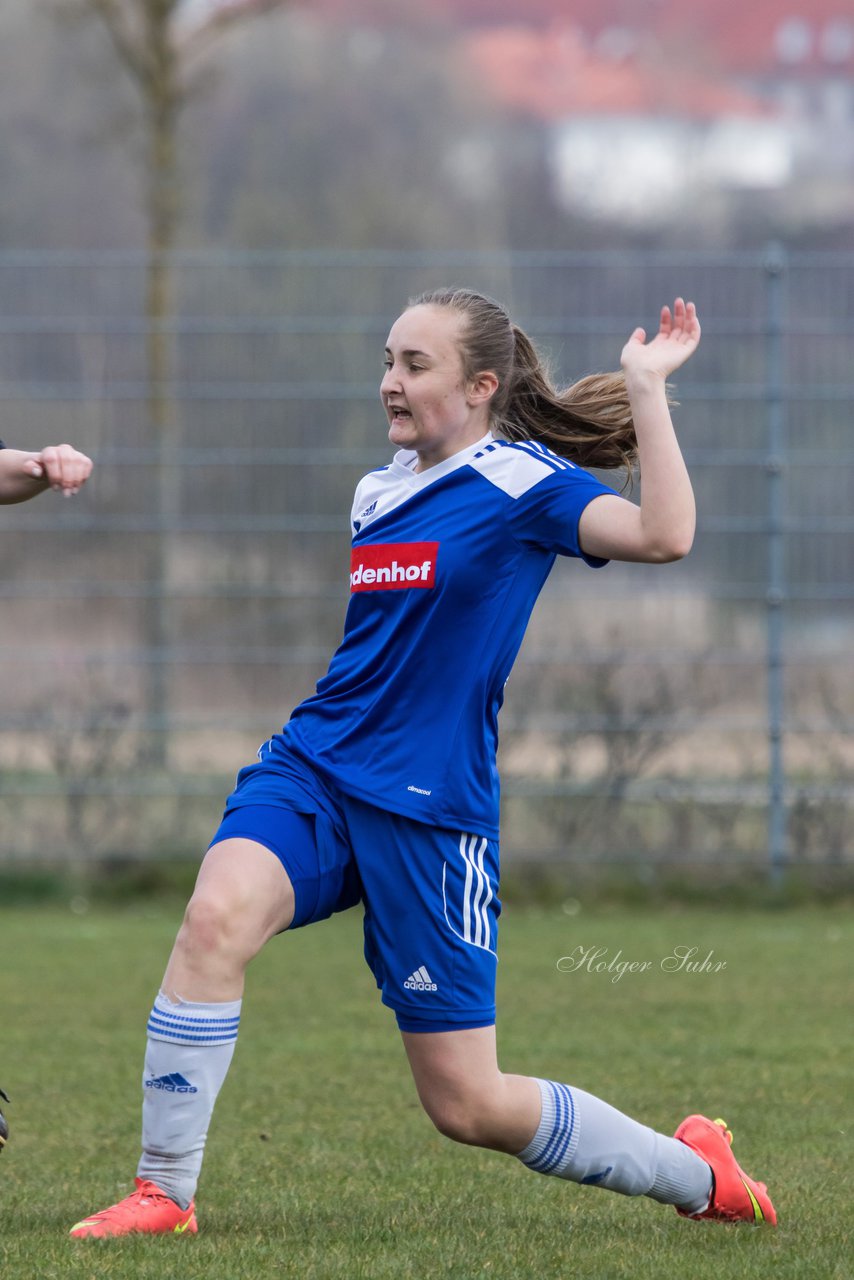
320	1162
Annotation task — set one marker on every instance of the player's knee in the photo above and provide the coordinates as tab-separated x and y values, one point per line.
460	1114
210	926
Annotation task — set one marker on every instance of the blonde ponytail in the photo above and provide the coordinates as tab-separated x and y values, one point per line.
589	422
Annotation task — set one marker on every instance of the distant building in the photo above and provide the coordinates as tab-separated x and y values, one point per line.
647	101
630	133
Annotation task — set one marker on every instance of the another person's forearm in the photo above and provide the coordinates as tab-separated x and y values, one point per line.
17	481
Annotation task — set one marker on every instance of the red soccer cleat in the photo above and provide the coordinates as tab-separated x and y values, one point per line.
735	1197
146	1211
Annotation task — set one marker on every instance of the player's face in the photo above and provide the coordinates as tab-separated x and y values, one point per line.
428	405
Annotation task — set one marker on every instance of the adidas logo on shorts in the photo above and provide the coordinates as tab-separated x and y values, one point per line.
420	980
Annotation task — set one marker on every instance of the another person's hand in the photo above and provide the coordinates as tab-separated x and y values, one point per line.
63	467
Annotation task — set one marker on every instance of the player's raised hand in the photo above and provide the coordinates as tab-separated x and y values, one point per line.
677	338
62	466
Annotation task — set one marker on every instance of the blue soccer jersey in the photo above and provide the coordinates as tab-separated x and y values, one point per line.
446	566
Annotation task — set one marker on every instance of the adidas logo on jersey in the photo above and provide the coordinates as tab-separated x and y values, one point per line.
363	515
389	566
173	1083
420	980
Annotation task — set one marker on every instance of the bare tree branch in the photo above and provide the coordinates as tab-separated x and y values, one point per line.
132	52
227	14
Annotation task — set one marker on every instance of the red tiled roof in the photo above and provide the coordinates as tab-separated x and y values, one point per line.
735	35
756	37
553	74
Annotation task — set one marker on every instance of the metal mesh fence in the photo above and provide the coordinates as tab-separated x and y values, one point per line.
158	628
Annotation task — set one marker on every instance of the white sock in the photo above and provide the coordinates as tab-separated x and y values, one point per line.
188	1053
585	1140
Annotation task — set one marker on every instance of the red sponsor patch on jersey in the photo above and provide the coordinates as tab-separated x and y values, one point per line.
393	566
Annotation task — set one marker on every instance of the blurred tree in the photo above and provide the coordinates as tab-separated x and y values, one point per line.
337	135
161	45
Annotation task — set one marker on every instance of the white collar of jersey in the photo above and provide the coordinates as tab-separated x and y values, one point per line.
405	459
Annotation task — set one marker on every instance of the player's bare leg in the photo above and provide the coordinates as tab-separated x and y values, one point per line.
551	1127
242	897
466	1095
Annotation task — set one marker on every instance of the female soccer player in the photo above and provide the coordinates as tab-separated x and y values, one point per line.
382	788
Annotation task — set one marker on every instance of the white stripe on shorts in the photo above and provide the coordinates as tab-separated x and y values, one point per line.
477	893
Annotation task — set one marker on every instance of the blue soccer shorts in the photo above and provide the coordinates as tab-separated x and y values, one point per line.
430	894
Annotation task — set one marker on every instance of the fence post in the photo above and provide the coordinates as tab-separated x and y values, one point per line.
775	266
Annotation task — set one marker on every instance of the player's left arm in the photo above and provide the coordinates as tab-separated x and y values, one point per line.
24	475
661	527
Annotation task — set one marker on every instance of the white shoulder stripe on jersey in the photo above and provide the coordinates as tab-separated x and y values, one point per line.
534	446
513	468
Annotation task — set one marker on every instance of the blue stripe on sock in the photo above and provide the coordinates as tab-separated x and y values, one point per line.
198	1030
180	1024
569	1126
561	1136
184	1037
560	1133
194	1021
211	1024
543	1162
